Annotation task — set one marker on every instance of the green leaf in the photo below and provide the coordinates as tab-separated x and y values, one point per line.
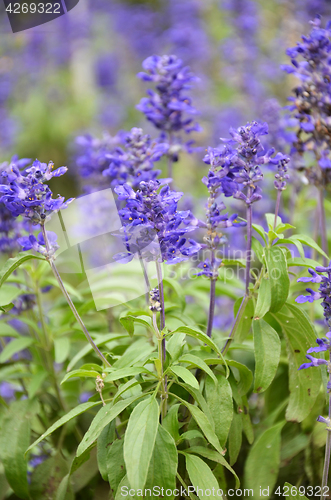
128	321
36	382
203	423
257	249
139	441
235	438
115	464
163	465
245	322
219	399
175	344
61	348
127	372
304	385
270	218
12	264
15	346
215	457
278	276
197	334
307	240
7	330
260	230
80	374
8	293
46	478
170	422
198	362
104	443
297	261
264	298
191	435
296	495
103	418
245	376
186	375
200	475
267	354
14	439
69	416
262	464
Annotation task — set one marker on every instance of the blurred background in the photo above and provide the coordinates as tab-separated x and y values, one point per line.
77	74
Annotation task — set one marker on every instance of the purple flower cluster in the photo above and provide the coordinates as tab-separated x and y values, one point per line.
323	344
26	194
168	105
215	221
10	228
281	176
236	165
9	231
105	161
150	211
324	291
311	106
136	160
38	244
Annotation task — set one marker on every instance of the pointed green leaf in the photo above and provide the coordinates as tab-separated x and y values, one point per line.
215	456
115	464
103	418
186	375
278	276
264	299
80	374
14	439
46	478
163	465
245	322
202	337
304	385
307	240
139	441
198	362
235	438
12	264
170	422
15	346
262	464
267	354
200	475
219	399
203	423
69	416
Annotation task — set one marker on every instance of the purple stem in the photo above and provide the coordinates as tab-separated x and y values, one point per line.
321	214
68	299
327	451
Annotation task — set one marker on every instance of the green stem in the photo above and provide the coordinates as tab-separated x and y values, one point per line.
70	302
